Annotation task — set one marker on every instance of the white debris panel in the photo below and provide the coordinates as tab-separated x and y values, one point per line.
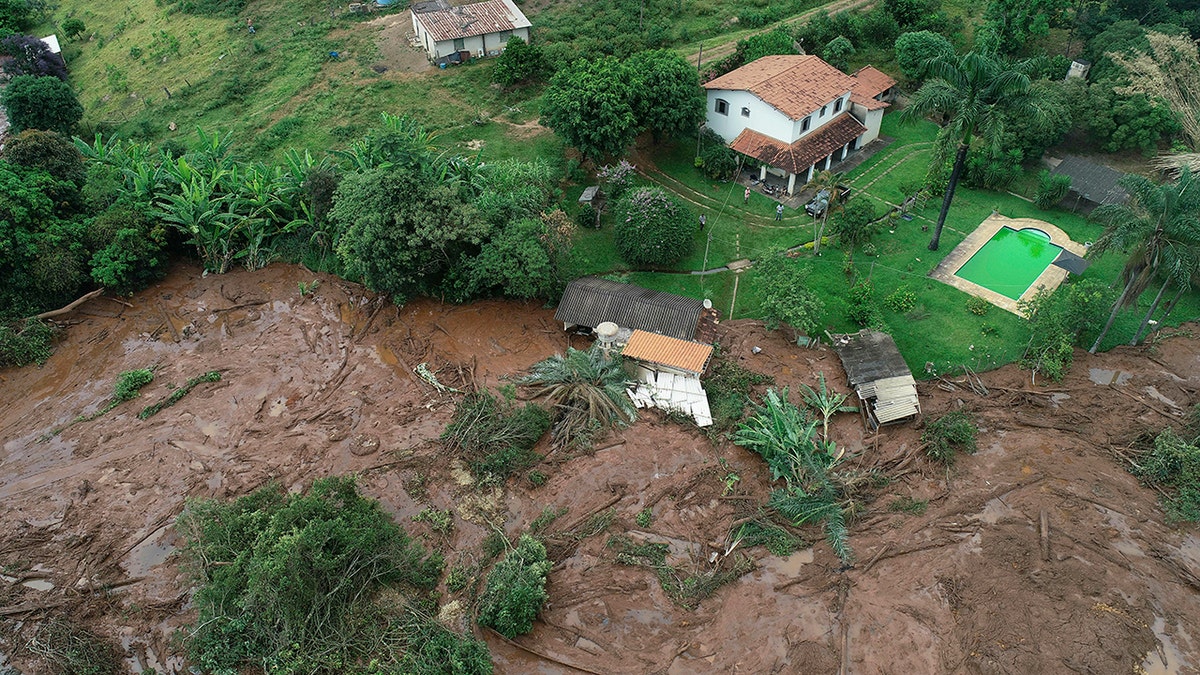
671	392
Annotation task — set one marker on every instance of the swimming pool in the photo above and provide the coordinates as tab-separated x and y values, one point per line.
1010	261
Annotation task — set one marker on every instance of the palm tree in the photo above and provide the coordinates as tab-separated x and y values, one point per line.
825	180
1158	225
971	90
586	391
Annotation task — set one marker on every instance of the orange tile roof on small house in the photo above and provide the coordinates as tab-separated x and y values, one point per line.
480	18
797	86
668	351
870	82
797	157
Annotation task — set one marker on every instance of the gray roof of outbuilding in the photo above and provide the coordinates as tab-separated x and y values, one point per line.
869	356
590	301
1095	182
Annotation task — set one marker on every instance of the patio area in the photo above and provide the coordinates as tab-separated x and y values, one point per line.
778	184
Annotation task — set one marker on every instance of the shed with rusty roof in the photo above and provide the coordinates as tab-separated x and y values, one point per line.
879	375
471	31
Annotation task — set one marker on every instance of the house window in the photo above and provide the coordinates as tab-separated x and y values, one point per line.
722	107
823	109
745	112
806	123
837	105
459	44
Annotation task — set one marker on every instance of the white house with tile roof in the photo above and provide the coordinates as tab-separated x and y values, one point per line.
796	114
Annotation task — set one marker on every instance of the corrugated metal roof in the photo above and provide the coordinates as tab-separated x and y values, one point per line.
668	351
805	152
589	301
797	86
868	356
1095	182
480	18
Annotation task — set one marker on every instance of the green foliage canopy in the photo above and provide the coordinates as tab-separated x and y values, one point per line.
516	589
520	62
590	105
668	99
652	227
45	103
289	582
914	50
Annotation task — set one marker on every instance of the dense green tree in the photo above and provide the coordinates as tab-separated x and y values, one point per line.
907	13
130	248
915	50
45	103
516	589
856	225
400	234
520	62
73	28
971	90
788	299
652	228
771	43
15	15
838	52
49	151
668	99
590	105
1017	22
1159	227
1117	121
515	262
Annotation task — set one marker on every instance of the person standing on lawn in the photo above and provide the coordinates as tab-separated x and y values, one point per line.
779	212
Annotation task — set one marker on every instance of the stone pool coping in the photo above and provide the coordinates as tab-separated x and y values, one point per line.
1049	279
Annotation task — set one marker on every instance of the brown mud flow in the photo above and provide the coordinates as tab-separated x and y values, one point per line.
322	383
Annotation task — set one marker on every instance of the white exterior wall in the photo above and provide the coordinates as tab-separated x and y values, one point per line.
871	119
763	118
479	44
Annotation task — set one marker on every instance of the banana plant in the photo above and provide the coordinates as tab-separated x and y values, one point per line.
202	216
825	402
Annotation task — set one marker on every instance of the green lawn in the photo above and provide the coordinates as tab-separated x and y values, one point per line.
143	66
939	329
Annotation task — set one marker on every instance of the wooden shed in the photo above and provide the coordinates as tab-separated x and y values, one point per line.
879	376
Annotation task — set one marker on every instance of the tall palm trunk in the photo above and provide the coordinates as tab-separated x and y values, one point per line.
1167	312
1146	319
1113	315
960	160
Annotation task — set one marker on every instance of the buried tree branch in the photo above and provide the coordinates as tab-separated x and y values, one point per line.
63	310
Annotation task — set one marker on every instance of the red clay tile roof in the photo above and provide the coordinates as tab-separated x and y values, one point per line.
871	82
797	157
667	351
480	18
795	85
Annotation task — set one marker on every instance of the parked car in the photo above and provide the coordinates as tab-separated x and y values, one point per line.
820	202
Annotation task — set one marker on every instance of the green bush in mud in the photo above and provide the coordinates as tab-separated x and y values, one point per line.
321	582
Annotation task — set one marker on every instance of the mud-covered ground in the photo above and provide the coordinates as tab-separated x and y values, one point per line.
323	383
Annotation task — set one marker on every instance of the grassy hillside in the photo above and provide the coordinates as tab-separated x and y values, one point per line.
142	67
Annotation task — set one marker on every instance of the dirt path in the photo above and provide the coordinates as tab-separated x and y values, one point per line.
721	50
321	384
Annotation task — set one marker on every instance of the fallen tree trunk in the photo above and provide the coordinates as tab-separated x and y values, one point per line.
63	310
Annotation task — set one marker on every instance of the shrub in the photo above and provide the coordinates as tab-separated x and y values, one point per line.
716	161
73	649
516	589
728	386
653	228
131	249
31	56
900	300
953	431
916	49
520	62
45	103
862	309
1060	320
494	436
73	28
978	306
1174	462
587	216
23	343
789	299
1052	187
289	582
616	178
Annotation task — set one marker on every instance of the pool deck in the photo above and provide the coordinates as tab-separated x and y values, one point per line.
1050	278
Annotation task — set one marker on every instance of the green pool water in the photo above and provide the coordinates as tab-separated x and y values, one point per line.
1011	261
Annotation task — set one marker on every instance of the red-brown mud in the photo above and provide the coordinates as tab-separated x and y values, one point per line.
322	383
